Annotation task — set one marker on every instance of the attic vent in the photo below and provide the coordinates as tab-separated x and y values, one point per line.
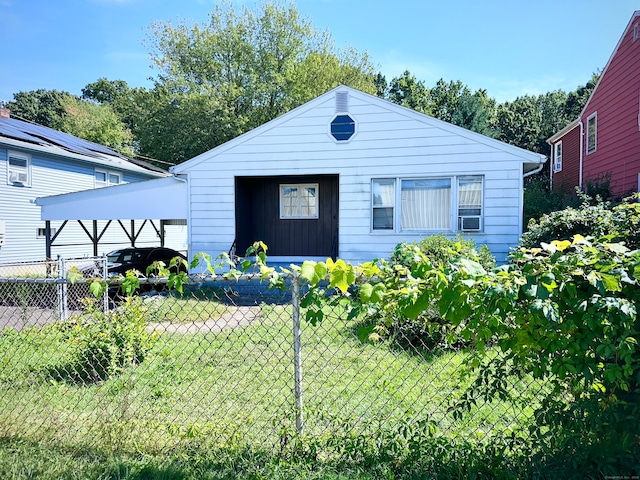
342	102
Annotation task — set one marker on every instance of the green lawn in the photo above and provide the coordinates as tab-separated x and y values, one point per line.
214	401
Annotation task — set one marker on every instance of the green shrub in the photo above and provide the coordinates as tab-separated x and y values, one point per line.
586	220
620	223
440	250
106	343
427	331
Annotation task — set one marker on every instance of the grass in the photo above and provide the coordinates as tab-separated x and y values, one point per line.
221	405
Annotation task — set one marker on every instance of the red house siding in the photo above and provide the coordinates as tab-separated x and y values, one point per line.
616	100
565	180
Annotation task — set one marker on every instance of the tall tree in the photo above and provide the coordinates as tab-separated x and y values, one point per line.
476	112
44	107
96	123
239	70
408	91
577	99
445	97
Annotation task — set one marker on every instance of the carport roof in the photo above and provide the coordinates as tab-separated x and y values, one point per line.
161	198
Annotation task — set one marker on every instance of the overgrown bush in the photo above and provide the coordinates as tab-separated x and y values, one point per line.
427	331
593	218
440	250
103	344
564	314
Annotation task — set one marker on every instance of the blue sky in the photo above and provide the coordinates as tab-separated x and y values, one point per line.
508	47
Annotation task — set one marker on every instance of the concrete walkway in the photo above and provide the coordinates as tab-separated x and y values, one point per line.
235	317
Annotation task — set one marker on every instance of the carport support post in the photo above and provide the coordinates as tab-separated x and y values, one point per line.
297	357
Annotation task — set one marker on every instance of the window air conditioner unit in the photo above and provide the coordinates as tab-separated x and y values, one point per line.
470	223
18	177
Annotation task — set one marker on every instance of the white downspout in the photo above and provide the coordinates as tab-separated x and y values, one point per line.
581	152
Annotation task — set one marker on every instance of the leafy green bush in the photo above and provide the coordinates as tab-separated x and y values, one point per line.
564	314
586	220
427	331
620	223
440	249
106	343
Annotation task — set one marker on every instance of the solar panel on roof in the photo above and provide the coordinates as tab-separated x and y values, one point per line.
7	129
30	132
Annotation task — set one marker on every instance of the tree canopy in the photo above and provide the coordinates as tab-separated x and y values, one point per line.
245	66
241	69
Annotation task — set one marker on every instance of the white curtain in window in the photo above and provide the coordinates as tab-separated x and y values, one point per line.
383	193
470	195
426	204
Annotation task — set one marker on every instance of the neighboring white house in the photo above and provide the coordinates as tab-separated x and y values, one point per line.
351	175
36	161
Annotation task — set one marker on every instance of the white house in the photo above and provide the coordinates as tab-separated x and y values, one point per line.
36	161
349	175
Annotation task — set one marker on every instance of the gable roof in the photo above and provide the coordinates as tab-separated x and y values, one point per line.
526	156
19	134
569	127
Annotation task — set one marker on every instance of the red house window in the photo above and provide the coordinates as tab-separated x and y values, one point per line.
592	132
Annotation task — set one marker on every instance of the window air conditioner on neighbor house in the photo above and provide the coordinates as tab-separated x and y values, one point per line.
470	223
18	177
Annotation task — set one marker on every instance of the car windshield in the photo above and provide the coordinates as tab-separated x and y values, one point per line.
125	256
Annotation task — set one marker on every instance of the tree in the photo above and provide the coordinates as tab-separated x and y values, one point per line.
44	107
578	99
477	113
445	97
96	123
408	91
238	71
382	87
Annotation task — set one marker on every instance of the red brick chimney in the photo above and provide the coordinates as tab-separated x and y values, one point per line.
4	111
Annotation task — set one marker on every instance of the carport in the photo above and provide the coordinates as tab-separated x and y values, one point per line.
129	207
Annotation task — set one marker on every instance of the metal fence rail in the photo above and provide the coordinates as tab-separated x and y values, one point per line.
224	362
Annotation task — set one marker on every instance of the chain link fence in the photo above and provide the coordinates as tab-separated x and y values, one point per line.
225	362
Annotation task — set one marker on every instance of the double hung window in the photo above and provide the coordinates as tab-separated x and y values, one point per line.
427	204
557	157
592	132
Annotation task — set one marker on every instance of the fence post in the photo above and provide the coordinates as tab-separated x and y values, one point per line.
63	308
297	347
105	277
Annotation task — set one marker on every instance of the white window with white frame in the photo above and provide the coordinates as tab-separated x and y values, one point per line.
19	169
427	204
299	201
592	132
104	178
557	156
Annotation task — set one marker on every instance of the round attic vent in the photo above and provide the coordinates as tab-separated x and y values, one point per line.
343	127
